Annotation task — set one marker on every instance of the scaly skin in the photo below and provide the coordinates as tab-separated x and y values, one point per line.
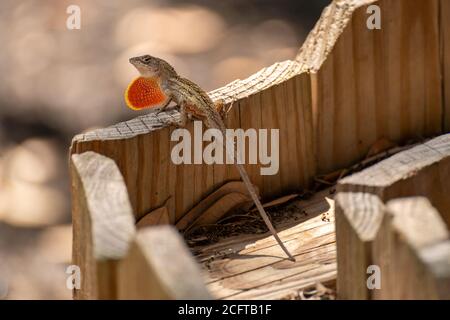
194	101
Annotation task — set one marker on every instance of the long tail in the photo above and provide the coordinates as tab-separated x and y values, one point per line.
260	208
252	192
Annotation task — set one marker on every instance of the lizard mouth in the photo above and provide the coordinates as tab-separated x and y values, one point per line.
136	62
144	69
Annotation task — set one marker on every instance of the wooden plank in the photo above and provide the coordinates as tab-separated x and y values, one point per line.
291	286
445	59
250	117
421	171
412	229
103	223
358	219
306	218
159	266
264	273
370	84
229	172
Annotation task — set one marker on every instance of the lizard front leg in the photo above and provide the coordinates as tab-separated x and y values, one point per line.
164	106
181	123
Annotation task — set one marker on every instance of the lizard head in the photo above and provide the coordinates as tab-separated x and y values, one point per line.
150	67
145	91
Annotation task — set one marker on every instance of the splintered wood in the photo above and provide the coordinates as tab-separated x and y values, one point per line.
253	266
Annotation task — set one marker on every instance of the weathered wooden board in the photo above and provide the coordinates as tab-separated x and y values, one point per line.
358	219
253	266
103	223
412	250
420	171
159	266
370	84
445	59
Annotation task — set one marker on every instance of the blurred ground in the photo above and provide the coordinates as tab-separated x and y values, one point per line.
56	82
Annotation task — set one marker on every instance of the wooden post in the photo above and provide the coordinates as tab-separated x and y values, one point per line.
159	266
358	219
369	84
445	59
103	223
412	250
423	170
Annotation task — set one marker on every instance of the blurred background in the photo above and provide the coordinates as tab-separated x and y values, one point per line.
55	83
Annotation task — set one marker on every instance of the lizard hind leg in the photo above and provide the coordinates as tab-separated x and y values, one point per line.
220	108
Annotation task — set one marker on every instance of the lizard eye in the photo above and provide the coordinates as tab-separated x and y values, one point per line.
146	59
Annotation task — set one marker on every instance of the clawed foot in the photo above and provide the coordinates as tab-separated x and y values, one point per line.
171	123
221	108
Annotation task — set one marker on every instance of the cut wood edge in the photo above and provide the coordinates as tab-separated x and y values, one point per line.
423	170
445	59
358	219
160	266
417	222
103	223
400	166
410	251
323	37
436	259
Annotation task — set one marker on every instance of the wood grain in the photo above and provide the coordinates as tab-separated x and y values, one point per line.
370	84
103	223
362	228
252	267
445	59
159	266
358	219
421	171
412	229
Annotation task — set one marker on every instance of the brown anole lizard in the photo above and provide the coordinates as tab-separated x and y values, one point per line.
192	101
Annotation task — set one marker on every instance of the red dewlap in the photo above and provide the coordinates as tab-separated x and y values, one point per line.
144	93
